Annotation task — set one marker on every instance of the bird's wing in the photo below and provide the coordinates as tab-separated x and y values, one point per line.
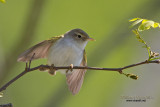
75	79
40	50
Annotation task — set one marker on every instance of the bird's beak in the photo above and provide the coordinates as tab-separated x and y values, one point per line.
91	39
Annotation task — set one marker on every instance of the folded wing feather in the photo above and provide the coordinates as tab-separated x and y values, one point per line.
75	79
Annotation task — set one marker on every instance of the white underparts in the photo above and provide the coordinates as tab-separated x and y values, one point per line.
65	52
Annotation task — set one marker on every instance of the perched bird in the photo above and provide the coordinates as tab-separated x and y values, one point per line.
64	50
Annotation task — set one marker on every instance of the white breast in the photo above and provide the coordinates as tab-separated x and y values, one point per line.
65	53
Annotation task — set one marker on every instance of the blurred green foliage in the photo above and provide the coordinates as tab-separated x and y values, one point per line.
24	23
3	1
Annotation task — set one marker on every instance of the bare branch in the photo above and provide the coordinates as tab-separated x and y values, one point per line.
76	67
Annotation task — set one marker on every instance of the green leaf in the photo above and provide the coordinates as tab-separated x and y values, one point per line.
154	59
132	76
145	25
155	25
136	22
144	20
135	77
134	19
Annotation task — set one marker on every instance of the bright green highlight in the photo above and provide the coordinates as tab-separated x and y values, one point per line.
145	24
3	1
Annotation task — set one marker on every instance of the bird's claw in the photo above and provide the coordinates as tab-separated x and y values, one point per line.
52	71
71	68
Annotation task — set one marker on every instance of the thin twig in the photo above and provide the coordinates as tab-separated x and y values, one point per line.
31	60
74	67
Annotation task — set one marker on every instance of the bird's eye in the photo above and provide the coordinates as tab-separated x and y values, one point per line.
79	36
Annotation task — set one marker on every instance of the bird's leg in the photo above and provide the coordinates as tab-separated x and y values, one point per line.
26	68
71	68
52	70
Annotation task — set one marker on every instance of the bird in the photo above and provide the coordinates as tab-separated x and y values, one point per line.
65	50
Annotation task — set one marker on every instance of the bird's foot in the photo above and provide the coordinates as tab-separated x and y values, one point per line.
70	69
52	70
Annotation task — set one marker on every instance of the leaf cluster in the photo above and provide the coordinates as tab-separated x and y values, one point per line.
145	25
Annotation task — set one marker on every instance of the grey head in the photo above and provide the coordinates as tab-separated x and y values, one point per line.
78	35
